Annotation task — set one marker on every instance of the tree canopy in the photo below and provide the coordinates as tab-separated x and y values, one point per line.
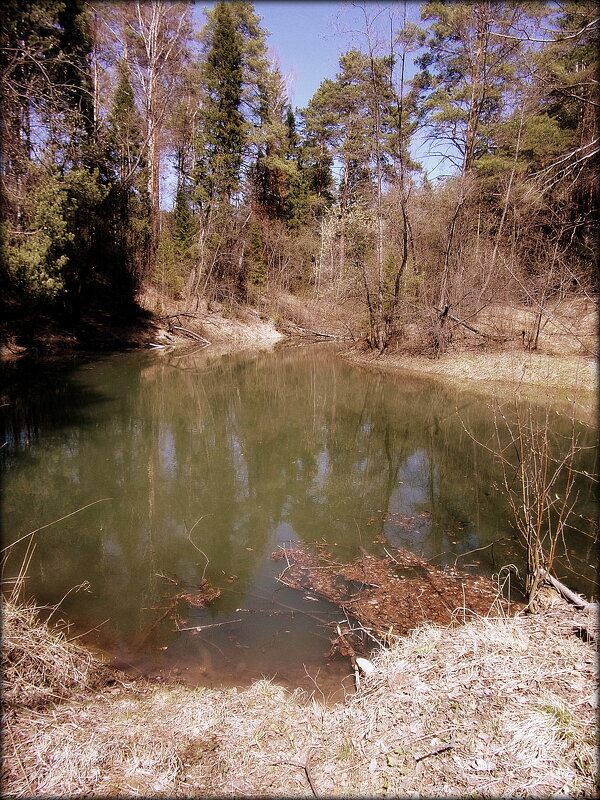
105	104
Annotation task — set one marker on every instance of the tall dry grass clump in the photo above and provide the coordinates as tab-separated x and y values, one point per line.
39	664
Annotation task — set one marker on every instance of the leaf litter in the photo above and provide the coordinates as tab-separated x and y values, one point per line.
389	595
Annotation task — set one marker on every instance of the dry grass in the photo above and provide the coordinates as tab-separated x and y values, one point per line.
570	382
496	707
39	664
517	368
567	326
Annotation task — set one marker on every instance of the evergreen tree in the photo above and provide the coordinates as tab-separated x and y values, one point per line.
228	141
223	130
276	178
466	71
184	232
52	196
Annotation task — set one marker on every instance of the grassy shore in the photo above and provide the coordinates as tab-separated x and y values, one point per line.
517	368
494	707
567	381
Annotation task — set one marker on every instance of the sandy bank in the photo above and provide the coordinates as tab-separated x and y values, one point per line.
516	368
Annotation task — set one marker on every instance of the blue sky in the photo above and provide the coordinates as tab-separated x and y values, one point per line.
307	37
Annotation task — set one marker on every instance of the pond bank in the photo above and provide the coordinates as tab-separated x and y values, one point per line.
519	369
495	707
569	381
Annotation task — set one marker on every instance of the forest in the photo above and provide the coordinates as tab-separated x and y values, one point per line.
99	100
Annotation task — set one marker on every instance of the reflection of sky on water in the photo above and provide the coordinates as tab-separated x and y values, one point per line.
166	451
411	498
284	533
322	470
242	487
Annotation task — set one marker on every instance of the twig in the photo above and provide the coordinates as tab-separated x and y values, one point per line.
214	625
197	548
307	770
85	633
485	547
86	588
305	767
168	611
41	528
434	752
166	577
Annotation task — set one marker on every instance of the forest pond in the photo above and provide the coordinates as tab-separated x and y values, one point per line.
191	467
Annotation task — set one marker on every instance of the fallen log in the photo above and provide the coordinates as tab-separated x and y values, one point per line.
465	324
179	314
567	593
296	330
191	333
327	335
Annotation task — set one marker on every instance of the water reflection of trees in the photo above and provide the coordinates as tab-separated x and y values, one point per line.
241	448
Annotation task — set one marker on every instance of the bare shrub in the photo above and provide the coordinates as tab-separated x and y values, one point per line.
539	472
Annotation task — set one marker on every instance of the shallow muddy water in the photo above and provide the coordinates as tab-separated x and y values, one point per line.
198	467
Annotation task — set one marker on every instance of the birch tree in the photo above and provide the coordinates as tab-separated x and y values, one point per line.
154	38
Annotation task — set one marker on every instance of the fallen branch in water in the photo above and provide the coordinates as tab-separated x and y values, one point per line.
214	625
485	547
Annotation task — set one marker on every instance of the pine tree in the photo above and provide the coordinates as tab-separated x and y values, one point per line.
184	232
52	203
466	72
223	129
276	169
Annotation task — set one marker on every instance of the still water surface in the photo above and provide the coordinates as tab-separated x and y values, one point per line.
204	465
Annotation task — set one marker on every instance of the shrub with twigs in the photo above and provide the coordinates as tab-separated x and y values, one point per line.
539	477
